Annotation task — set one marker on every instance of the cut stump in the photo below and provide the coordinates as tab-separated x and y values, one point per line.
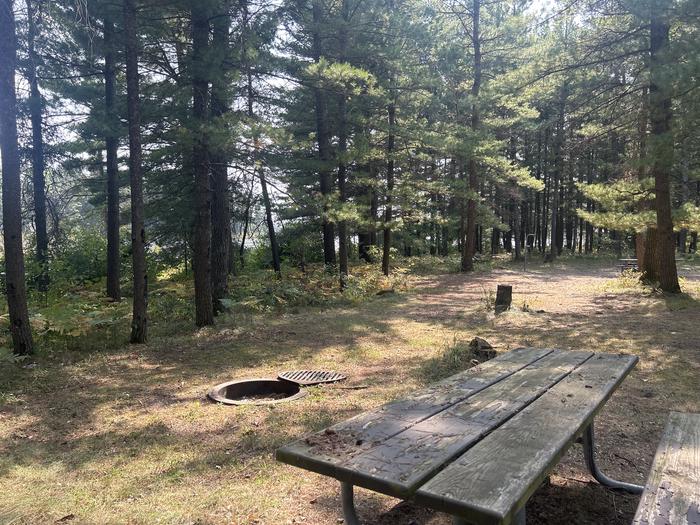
504	297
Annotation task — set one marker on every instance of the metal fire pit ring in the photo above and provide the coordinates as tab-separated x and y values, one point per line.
253	392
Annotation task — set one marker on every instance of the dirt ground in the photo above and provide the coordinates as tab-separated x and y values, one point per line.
128	437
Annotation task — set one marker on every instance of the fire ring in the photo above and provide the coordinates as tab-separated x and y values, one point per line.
256	392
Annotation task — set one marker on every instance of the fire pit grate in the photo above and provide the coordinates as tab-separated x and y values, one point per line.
311	377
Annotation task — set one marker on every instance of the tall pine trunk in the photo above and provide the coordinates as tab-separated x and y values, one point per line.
342	151
111	145
38	182
258	167
220	203
646	265
388	202
469	245
324	146
556	223
661	148
11	193
201	263
246	222
139	318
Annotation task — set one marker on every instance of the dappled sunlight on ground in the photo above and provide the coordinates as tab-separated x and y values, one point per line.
128	436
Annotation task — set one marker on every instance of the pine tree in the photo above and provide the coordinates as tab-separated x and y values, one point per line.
111	146
139	319
11	193
204	309
38	181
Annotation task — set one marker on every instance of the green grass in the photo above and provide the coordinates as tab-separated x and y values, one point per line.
122	434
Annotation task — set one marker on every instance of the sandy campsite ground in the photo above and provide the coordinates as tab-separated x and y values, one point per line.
127	437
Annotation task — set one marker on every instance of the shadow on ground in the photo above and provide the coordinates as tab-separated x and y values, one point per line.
127	436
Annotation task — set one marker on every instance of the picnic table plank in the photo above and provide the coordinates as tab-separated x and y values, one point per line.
324	451
491	481
672	492
399	465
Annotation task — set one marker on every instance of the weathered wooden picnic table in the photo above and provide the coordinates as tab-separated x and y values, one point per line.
632	264
476	445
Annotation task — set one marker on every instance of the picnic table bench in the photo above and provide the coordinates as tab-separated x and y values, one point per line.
632	264
672	492
476	445
627	264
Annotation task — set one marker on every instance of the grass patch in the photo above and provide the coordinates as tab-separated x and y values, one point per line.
125	435
456	357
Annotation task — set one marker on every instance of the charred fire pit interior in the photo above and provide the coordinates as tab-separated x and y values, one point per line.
256	392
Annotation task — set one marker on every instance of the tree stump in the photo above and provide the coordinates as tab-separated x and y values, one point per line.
504	296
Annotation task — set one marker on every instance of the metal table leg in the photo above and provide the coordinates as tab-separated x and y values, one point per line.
348	501
589	455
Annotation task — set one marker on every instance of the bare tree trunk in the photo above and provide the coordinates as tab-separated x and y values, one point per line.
388	207
324	147
342	150
38	182
645	260
469	247
661	146
364	235
272	235
557	175
111	145
138	232
685	194
220	206
246	224
515	207
204	306
11	193
546	202
374	207
274	246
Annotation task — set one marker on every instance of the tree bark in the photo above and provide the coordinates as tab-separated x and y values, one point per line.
515	207
367	236
15	290
139	318
646	264
220	202
468	249
111	145
685	194
556	233
38	182
661	148
388	202
204	306
342	151
258	168
246	223
546	202
323	138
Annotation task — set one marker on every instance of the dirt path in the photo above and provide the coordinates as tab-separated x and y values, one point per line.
575	308
127	437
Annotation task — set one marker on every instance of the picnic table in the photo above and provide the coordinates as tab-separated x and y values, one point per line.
627	264
476	445
632	263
